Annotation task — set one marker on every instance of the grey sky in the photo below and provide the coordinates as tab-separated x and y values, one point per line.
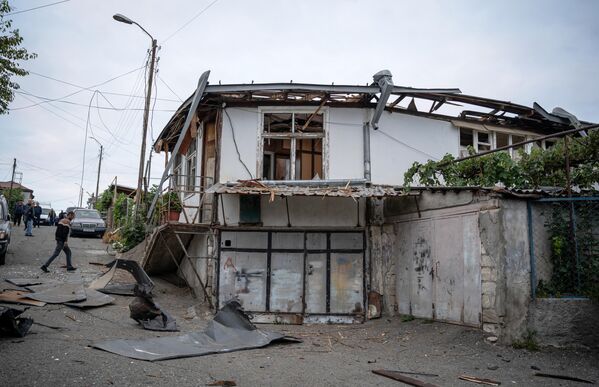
543	51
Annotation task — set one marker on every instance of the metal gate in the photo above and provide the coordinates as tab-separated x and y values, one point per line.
293	272
438	272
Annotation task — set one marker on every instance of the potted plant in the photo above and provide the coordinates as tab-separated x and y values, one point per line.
172	205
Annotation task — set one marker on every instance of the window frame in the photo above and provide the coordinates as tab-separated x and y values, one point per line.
191	159
493	140
292	136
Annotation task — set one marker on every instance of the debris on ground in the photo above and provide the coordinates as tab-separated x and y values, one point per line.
19	297
563	377
148	313
107	283
398	376
93	298
227	383
11	325
230	330
474	379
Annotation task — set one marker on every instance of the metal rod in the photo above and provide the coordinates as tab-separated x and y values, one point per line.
193	267
202	82
287	207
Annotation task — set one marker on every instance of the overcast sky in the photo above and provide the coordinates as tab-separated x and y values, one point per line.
520	51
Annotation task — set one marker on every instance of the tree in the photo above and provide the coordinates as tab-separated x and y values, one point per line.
12	197
11	53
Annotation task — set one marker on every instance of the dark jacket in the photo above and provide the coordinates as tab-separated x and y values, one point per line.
62	230
28	212
37	210
18	209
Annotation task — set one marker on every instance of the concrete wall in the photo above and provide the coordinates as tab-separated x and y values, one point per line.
304	211
401	140
565	322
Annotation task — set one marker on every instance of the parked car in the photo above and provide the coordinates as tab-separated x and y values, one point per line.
44	219
87	222
4	229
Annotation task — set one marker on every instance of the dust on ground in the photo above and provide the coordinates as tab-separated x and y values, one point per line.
57	350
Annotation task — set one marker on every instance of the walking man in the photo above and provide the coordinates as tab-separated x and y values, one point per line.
62	235
37	210
18	213
28	216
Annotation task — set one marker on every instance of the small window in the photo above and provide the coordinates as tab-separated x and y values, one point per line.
466	140
502	139
249	209
483	141
191	167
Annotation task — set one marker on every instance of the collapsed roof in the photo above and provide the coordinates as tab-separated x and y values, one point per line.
444	104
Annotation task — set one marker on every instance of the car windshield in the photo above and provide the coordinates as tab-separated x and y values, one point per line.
87	214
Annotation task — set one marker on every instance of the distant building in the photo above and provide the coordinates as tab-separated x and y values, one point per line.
27	193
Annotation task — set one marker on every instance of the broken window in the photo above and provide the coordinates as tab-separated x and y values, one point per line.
292	146
466	140
191	167
177	172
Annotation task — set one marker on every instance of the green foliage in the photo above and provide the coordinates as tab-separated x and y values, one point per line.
574	255
407	318
132	234
105	200
533	170
123	209
11	53
528	341
12	197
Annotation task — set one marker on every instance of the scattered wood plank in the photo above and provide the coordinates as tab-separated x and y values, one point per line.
474	379
402	378
19	297
563	377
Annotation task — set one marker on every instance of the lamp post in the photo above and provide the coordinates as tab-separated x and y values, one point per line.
99	167
124	19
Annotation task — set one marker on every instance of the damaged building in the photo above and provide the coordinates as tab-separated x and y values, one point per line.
291	203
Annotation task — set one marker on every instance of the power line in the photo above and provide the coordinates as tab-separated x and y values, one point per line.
79	91
189	21
103	92
34	8
168	87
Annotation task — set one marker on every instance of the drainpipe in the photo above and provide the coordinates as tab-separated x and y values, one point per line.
366	128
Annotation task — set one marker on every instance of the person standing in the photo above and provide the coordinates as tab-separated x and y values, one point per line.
62	235
51	217
28	216
37	210
18	213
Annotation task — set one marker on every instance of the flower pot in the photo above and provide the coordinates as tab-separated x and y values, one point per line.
173	216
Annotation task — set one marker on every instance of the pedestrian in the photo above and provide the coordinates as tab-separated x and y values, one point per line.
18	213
37	210
62	235
51	216
28	216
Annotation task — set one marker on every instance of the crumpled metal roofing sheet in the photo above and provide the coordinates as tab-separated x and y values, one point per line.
230	331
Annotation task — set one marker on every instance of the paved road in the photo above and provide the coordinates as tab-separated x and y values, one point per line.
331	355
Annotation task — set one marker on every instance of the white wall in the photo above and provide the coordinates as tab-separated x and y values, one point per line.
403	139
346	149
246	123
304	211
400	140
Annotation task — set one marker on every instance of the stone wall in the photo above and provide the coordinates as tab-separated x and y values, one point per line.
565	322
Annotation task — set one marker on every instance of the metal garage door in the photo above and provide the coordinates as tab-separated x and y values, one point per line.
305	272
438	271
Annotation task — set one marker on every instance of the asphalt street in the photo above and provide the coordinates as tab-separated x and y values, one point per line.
57	350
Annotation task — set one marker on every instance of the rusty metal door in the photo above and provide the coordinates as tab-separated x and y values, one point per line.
316	283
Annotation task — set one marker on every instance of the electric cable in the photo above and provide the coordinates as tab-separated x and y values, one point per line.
189	21
34	8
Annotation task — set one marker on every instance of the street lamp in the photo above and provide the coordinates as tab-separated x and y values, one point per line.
124	19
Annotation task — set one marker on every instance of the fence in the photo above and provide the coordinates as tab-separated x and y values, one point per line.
564	246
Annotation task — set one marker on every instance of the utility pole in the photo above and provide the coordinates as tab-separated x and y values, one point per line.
142	157
12	179
98	179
